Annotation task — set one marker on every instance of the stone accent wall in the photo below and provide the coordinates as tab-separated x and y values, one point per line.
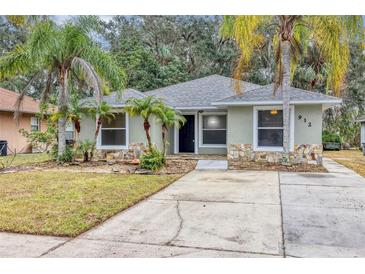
134	151
303	154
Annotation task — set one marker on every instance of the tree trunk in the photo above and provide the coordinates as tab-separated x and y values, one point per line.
164	131
61	137
97	130
98	94
147	126
285	92
86	156
63	107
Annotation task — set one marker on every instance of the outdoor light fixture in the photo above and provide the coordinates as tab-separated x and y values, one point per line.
274	112
213	121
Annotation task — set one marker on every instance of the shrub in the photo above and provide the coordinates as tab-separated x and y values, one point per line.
86	148
152	160
329	137
67	156
40	140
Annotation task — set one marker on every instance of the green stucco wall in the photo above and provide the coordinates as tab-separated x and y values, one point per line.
87	128
303	134
240	125
240	129
136	130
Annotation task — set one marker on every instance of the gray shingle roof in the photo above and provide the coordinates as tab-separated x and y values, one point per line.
265	95
113	99
216	90
201	92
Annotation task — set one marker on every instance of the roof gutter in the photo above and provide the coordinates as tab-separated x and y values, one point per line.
194	108
294	102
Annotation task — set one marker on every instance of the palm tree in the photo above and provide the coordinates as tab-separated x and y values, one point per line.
100	112
64	56
144	107
168	117
292	35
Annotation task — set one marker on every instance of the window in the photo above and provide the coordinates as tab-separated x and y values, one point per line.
114	131
34	124
214	130
270	128
69	131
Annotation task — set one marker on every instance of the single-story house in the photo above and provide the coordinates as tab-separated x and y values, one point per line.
361	120
9	127
247	126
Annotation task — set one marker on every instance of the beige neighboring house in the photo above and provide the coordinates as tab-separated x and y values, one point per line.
9	127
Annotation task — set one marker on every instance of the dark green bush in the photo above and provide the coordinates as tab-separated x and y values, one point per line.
152	160
67	156
328	137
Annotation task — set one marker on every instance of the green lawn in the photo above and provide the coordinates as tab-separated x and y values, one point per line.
23	159
68	203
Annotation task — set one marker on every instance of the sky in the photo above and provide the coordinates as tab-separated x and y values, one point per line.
60	19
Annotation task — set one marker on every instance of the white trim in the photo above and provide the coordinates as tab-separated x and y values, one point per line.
35	122
255	129
176	133
98	140
264	103
195	108
201	130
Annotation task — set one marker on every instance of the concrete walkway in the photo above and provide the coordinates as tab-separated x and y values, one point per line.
324	214
212	164
218	213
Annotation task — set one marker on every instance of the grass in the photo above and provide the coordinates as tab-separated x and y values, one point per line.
353	159
67	204
24	159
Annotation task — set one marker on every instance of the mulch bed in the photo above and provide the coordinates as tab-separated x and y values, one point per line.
173	166
276	167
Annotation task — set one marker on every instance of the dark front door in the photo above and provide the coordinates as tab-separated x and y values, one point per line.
186	135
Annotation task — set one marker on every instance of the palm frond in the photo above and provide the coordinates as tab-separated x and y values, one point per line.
243	30
90	75
48	87
333	35
106	67
20	98
16	62
43	41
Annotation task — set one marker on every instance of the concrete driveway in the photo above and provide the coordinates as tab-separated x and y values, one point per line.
211	213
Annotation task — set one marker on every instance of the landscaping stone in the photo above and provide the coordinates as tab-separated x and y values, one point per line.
143	171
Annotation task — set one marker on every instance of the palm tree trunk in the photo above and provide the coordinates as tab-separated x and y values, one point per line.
97	130
98	96
63	106
285	92
164	140
147	126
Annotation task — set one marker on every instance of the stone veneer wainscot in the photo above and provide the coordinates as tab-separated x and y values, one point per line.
302	154
134	151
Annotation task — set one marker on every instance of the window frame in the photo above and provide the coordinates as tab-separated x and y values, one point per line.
201	144
38	124
114	147
256	147
71	125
